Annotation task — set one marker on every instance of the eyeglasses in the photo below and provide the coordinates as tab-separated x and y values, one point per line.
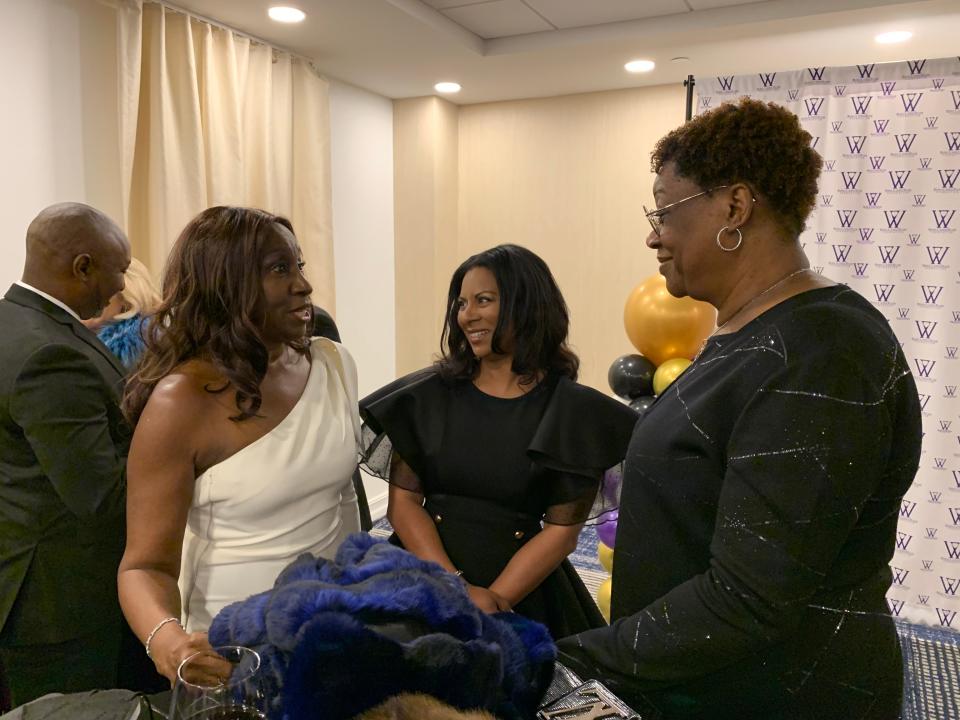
656	216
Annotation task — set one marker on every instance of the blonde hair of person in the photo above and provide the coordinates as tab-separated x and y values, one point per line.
139	294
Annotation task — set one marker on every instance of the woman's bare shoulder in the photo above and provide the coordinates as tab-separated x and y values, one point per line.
191	392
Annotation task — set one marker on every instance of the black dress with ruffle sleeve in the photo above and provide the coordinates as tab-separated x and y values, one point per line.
493	469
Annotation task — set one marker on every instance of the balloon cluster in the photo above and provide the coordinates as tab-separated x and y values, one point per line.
668	332
607	537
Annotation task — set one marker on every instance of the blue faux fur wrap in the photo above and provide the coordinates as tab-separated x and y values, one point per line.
339	637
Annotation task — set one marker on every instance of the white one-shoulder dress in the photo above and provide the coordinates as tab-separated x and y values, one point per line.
287	493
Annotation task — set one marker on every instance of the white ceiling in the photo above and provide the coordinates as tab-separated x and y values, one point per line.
508	49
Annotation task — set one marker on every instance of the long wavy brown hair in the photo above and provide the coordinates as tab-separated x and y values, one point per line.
211	308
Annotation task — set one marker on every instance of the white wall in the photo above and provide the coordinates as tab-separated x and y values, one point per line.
58	130
361	137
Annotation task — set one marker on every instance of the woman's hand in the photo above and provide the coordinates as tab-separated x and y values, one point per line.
171	648
487	600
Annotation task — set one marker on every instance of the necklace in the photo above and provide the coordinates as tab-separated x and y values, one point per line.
747	304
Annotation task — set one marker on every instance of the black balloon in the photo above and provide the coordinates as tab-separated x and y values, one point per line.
641	403
631	376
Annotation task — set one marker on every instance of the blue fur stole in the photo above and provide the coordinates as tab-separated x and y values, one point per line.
124	338
340	637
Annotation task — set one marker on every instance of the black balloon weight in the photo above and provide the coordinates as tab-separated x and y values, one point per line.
631	376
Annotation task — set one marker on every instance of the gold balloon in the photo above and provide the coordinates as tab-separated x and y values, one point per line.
667	373
603	598
661	326
605	556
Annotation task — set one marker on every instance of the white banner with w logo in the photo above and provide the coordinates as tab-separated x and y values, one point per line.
886	223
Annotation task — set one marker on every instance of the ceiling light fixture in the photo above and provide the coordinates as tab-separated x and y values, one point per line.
639	66
284	14
447	87
895	36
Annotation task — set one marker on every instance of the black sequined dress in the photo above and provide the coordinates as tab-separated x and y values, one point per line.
759	511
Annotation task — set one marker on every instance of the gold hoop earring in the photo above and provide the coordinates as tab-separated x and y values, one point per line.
729	249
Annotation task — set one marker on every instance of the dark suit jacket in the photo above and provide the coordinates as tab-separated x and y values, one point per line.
63	448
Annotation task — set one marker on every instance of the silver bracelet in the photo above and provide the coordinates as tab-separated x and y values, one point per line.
156	629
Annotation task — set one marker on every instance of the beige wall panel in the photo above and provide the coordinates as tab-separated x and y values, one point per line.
566	177
425	222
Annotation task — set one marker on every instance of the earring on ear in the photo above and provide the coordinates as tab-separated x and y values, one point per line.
729	249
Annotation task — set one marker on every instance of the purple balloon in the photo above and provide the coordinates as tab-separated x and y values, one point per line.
607	528
612	479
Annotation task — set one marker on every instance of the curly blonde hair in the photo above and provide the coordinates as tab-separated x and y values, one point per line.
140	295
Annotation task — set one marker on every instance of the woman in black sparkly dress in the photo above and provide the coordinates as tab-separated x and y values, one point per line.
496	454
761	490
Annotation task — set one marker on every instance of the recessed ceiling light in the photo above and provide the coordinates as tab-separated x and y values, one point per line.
639	66
680	59
284	14
447	87
896	36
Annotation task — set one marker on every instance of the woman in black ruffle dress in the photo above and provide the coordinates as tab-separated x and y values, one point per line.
496	455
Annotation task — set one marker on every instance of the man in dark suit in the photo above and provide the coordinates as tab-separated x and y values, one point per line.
63	447
325	326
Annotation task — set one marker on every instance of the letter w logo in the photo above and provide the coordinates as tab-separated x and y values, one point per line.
867	233
953	141
903	540
883	292
894	218
899	575
861	103
943	218
931	293
816	73
946	616
949	177
916	66
767	78
872	198
841	252
846	217
880	126
855	143
950	585
924	367
888	253
726	83
955	517
953	548
876	162
906	508
839	90
851	180
866	71
926	328
898	178
910	101
813	105
905	141
888	87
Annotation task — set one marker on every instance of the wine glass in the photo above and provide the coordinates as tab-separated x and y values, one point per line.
220	685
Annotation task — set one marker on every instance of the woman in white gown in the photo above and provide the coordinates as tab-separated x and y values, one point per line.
246	433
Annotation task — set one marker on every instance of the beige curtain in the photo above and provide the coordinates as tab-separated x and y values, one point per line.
211	117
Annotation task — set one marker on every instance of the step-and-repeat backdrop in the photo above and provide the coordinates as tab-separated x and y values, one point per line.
886	223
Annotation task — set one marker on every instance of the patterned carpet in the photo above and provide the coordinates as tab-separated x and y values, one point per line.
931	656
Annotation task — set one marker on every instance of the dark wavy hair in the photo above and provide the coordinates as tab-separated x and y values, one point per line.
760	144
211	308
532	308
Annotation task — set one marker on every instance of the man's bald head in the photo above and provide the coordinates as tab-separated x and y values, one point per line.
78	255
